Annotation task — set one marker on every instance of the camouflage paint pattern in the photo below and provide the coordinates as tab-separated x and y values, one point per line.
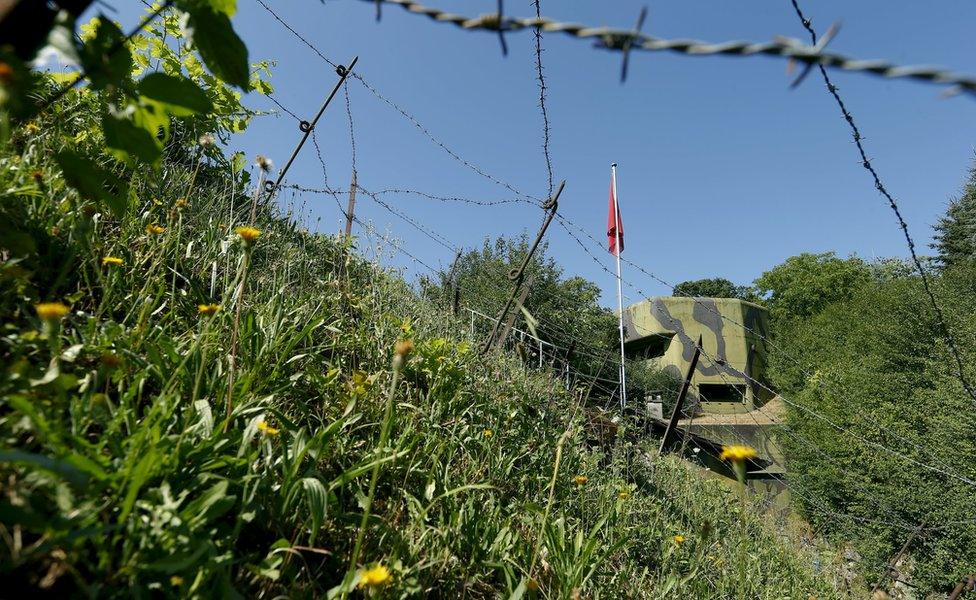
729	350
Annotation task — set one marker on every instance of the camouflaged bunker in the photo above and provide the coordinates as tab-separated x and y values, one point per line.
665	329
729	400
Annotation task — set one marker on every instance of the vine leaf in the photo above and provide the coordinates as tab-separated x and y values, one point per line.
181	96
221	49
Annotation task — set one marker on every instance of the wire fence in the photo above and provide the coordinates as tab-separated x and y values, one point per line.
544	349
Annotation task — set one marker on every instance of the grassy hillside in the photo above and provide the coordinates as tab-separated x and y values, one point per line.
215	417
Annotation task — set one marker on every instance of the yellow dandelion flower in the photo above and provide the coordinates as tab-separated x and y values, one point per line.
375	576
737	454
32	127
248	234
181	202
679	539
266	429
154	229
489	433
176	581
112	260
51	311
207	309
580	479
624	495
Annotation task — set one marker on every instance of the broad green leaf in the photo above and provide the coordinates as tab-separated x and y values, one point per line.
92	181
181	96
221	49
153	117
105	57
127	140
317	499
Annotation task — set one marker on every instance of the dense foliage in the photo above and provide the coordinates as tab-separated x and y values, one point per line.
804	285
871	372
715	287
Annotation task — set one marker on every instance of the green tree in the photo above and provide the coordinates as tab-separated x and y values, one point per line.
874	375
804	285
715	287
567	310
955	232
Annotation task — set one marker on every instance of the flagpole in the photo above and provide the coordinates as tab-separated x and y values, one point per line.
620	300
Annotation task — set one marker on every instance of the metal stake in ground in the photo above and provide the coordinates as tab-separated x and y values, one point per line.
890	567
518	274
351	209
307	127
676	413
510	321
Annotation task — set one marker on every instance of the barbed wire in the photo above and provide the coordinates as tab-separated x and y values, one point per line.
422	194
296	34
542	96
619	39
531	199
318	154
866	163
282	107
352	127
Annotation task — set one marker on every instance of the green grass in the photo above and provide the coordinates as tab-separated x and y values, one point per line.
124	475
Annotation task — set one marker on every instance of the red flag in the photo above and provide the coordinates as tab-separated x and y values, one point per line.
615	224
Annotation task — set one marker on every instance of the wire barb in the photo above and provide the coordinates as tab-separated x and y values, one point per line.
629	43
613	39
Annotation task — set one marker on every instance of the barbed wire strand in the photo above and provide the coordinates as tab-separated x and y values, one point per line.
866	163
542	96
296	34
618	39
403	112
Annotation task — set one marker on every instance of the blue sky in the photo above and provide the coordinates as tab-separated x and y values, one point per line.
723	171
